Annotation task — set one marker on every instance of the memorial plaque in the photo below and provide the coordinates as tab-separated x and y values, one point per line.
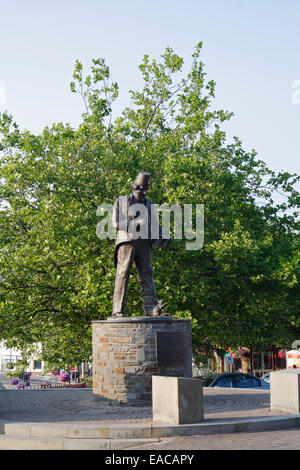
173	349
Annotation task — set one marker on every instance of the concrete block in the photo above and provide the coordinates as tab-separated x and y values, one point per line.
86	444
33	443
85	431
177	400
49	430
285	391
17	429
164	430
134	431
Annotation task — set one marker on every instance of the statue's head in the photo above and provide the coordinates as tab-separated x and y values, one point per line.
141	185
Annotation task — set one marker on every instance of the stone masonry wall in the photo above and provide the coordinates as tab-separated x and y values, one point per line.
124	357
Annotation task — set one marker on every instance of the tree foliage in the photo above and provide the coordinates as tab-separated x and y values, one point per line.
56	276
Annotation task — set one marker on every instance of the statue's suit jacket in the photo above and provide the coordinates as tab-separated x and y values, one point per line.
123	213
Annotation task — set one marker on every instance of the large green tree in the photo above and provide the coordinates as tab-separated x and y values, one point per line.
56	276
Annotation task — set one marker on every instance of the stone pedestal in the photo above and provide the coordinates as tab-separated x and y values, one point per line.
128	351
177	400
285	391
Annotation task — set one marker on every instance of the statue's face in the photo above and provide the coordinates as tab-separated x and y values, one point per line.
139	192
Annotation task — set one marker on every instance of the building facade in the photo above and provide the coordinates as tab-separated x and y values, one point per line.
12	356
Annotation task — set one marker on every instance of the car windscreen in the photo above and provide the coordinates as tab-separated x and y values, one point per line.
208	380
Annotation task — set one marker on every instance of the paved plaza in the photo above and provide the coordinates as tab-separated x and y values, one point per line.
59	406
69	405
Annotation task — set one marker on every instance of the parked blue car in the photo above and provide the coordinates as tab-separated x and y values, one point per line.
234	380
265	381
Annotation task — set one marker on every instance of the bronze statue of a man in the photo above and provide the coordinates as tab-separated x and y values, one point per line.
136	221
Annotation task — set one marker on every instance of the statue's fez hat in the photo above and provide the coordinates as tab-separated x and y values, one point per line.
143	179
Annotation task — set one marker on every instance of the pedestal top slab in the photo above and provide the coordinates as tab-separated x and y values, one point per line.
140	320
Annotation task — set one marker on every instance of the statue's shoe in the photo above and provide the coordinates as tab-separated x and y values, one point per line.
160	314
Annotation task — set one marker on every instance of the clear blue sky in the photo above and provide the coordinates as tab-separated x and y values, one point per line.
251	48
